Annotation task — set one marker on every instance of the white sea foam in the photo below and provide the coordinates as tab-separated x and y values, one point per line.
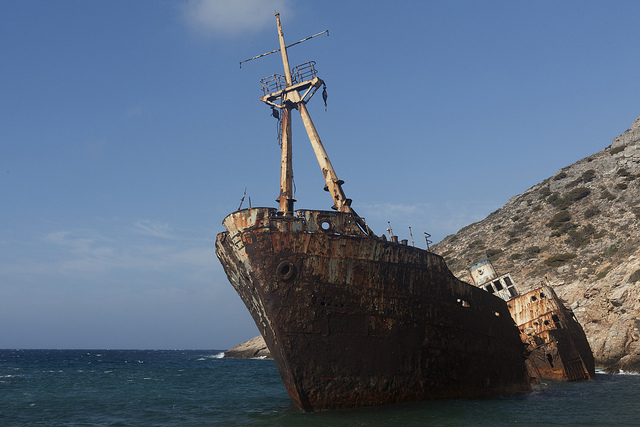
218	355
620	372
259	358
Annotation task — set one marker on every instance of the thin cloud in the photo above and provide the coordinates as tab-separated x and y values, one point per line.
87	255
230	18
154	229
65	238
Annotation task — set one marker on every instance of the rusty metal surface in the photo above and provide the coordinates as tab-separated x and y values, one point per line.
558	346
353	320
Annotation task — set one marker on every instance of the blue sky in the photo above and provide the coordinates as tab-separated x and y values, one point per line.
128	132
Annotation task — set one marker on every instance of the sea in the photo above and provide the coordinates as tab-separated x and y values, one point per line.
200	388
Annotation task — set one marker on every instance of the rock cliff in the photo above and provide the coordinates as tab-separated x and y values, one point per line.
577	231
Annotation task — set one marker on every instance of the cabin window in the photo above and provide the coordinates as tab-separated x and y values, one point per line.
498	285
533	298
512	292
507	281
557	321
490	288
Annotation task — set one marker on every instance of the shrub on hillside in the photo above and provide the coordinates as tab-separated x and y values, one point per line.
617	150
582	237
532	251
512	241
606	195
635	276
559	219
545	192
558	260
560	176
591	212
572	196
494	254
577	194
476	244
588	175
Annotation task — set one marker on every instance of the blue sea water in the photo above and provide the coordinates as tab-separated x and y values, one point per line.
183	388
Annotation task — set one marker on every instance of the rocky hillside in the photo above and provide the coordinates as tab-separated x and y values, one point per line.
577	231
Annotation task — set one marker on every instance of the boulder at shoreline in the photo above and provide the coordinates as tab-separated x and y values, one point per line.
254	348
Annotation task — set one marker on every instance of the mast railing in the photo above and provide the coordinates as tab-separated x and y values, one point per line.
304	72
273	83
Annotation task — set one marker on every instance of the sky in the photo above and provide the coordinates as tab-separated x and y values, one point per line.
128	132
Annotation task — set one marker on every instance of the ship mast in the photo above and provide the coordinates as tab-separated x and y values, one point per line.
291	100
299	86
285	199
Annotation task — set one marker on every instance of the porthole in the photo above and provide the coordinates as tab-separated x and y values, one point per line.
285	270
325	225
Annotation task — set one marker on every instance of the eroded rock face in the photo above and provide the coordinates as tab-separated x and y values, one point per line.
579	232
254	348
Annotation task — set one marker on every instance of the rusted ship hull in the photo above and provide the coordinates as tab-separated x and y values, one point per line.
557	345
352	320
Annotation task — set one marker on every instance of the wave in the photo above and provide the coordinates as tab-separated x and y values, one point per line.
212	356
620	372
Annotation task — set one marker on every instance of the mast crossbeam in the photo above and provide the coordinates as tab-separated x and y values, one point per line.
308	85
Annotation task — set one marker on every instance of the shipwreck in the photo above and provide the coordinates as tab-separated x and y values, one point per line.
351	318
557	347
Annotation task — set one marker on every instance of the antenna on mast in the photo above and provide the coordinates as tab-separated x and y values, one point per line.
278	50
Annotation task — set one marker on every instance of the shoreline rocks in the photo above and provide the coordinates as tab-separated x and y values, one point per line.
255	348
